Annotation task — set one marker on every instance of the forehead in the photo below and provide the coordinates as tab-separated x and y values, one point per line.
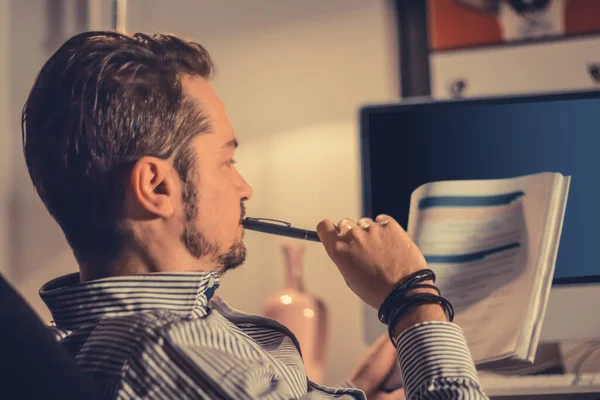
201	91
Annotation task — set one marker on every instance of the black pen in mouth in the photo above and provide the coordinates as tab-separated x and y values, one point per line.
280	228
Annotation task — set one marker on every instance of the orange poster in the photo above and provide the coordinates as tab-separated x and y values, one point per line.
455	24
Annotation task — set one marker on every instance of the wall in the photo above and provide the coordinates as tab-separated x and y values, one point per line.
33	247
6	162
36	247
293	76
504	70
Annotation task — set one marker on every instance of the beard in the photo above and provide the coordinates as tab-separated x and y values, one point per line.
198	245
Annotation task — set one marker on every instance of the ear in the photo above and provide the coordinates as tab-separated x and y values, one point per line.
153	184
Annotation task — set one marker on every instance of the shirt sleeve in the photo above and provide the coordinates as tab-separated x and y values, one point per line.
436	363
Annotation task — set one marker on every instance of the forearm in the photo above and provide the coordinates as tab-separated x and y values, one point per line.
434	358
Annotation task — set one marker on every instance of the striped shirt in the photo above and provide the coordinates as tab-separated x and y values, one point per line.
166	336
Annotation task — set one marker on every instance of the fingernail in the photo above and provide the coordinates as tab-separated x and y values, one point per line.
345	229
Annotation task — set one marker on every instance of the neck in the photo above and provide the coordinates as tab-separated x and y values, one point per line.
145	262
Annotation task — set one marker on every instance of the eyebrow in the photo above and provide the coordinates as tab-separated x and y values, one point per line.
232	143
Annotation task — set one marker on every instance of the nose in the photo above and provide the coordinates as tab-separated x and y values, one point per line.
246	190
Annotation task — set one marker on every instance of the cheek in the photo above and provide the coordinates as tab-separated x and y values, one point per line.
218	195
219	207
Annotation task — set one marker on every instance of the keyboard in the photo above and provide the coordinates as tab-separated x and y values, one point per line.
501	385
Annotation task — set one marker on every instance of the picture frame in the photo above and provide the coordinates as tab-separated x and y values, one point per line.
476	24
436	26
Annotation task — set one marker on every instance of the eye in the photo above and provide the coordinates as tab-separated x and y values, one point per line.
231	162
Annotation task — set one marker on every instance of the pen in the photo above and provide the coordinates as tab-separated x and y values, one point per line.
281	228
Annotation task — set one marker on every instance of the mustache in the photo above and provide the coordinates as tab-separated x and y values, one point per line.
242	211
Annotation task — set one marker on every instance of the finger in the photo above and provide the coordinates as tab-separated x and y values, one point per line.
386	220
383	219
365	223
345	226
327	232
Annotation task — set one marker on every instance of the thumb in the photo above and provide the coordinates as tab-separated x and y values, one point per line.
327	232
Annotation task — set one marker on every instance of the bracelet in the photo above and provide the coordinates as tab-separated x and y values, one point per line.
411	282
398	296
415	300
418	299
428	286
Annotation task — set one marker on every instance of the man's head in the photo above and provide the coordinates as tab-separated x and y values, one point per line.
131	151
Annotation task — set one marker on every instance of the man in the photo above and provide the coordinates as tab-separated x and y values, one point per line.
131	151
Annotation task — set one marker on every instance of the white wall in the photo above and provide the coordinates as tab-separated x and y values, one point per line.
504	70
33	248
6	162
293	76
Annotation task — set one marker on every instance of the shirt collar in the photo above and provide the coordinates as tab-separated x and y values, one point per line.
74	303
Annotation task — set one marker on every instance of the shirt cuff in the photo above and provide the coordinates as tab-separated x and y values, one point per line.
434	354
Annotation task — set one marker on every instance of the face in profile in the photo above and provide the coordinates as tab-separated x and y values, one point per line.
214	192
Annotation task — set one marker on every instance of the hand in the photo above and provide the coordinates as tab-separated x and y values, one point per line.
372	256
379	361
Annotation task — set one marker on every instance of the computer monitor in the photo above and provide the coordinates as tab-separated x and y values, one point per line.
406	145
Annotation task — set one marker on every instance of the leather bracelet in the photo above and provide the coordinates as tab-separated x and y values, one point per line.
415	300
427	286
409	283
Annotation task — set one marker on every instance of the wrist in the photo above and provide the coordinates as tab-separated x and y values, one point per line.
412	302
419	314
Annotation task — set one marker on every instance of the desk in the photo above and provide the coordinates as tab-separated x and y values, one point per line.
534	387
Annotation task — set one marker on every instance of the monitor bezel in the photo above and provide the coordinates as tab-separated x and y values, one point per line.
429	103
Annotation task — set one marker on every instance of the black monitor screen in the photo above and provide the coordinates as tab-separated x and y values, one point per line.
406	145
